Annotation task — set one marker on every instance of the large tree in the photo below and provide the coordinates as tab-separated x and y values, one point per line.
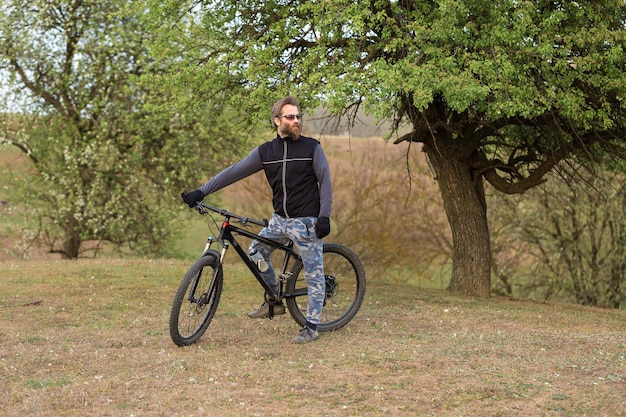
109	151
496	91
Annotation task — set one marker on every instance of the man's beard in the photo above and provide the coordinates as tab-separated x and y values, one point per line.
293	131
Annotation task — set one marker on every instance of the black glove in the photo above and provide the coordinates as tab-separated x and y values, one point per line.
192	198
322	227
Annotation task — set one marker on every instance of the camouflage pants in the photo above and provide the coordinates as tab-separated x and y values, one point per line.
301	231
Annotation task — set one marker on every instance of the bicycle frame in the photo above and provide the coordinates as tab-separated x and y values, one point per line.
198	294
227	236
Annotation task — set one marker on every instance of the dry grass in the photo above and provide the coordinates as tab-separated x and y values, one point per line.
90	338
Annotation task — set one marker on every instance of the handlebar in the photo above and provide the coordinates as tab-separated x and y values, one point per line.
203	208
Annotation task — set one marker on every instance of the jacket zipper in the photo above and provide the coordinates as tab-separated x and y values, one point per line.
285	179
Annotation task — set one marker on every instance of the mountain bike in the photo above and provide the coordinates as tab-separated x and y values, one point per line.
198	295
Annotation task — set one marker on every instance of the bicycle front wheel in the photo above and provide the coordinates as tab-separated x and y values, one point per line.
196	300
345	288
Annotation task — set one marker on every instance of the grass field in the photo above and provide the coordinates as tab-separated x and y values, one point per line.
91	338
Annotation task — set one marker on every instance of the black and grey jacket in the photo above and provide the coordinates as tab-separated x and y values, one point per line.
297	171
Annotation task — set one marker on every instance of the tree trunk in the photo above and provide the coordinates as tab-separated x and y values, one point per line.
70	248
464	202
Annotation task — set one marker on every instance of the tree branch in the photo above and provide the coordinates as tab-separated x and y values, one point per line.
35	88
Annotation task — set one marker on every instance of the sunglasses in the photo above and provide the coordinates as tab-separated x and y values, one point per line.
291	117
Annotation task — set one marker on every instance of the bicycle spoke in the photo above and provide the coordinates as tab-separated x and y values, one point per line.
345	289
196	301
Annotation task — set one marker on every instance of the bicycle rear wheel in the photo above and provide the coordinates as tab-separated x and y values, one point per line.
345	288
196	300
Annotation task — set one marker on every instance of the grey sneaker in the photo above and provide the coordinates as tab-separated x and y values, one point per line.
264	311
306	335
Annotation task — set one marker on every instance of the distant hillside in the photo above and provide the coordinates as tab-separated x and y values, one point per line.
320	122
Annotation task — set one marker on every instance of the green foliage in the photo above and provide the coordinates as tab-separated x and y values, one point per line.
110	153
504	59
496	91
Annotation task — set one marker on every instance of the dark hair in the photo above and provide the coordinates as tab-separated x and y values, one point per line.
278	106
